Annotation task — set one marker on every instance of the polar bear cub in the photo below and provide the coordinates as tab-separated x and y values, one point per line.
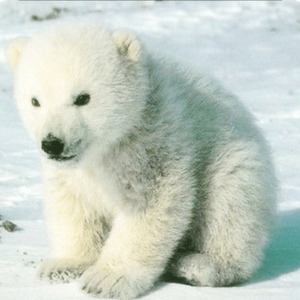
150	172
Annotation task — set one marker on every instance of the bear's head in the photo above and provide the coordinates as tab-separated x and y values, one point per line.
79	87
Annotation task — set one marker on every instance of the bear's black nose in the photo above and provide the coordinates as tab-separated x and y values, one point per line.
52	145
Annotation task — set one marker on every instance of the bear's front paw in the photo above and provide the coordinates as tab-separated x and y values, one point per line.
104	283
62	270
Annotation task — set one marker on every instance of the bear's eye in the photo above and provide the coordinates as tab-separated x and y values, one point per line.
82	99
35	102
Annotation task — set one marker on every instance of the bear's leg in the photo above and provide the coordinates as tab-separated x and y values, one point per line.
238	210
77	235
139	246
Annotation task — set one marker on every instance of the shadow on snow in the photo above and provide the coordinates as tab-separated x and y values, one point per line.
283	254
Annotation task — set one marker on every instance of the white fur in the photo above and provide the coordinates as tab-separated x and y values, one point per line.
170	176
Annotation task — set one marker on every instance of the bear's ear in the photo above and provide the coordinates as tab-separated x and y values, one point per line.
128	45
14	51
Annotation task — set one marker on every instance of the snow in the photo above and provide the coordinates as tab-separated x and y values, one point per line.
252	47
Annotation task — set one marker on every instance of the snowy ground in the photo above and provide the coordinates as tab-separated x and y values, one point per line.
252	47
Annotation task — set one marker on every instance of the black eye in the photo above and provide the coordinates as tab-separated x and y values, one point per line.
82	99
35	102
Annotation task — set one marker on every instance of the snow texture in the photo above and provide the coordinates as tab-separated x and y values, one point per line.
252	47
